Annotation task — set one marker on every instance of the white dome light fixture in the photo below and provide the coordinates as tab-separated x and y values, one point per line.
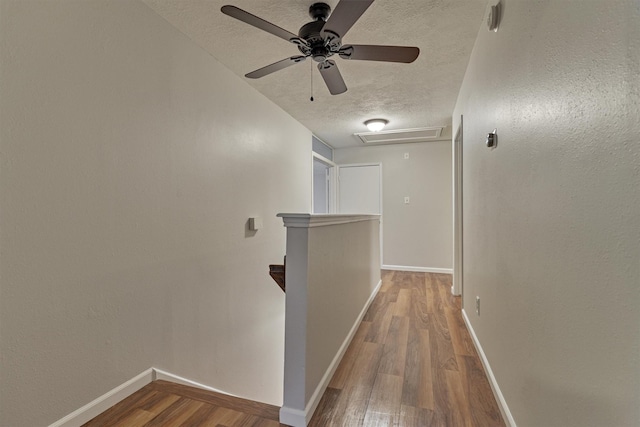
376	125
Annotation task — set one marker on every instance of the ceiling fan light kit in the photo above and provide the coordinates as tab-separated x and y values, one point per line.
321	39
376	125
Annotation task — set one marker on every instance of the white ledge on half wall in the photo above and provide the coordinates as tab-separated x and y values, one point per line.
306	220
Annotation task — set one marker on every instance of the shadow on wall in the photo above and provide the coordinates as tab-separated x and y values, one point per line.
248	232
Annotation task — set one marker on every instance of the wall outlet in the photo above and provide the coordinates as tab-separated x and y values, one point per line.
406	156
478	306
406	200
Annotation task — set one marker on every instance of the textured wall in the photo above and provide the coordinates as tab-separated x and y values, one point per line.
552	215
131	161
418	234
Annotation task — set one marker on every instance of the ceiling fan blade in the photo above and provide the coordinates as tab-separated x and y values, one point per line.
250	19
276	66
344	15
367	52
332	77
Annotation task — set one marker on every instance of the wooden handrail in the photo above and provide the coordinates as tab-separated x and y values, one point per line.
277	273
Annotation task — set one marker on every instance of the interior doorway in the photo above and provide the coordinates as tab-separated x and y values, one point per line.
324	185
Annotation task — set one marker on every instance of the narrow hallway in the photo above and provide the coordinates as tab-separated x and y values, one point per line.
411	363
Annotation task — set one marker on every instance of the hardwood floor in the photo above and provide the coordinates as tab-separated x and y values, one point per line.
166	404
411	363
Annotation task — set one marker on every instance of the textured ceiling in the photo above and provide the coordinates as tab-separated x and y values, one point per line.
419	94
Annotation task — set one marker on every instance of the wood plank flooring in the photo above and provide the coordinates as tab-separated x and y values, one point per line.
411	363
166	404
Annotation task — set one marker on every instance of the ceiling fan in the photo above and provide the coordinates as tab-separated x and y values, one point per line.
321	38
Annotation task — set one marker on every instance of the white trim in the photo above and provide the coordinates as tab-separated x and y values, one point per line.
305	220
457	159
502	403
106	401
324	160
297	418
292	417
167	376
418	269
357	165
406	139
121	392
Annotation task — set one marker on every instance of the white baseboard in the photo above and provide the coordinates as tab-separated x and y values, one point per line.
298	418
293	417
106	401
502	403
167	376
110	398
418	269
288	416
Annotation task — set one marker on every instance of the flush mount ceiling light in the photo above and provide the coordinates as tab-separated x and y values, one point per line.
376	125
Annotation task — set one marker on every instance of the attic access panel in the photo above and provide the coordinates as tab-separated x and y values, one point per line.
400	136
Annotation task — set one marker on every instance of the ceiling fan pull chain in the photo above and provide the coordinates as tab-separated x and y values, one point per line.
311	68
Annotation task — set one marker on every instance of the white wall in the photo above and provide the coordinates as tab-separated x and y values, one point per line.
419	234
551	216
131	161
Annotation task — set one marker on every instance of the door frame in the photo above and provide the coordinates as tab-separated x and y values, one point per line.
458	253
333	185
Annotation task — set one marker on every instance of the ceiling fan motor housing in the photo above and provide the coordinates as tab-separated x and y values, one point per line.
311	32
319	11
319	48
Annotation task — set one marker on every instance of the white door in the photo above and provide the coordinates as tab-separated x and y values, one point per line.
359	189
